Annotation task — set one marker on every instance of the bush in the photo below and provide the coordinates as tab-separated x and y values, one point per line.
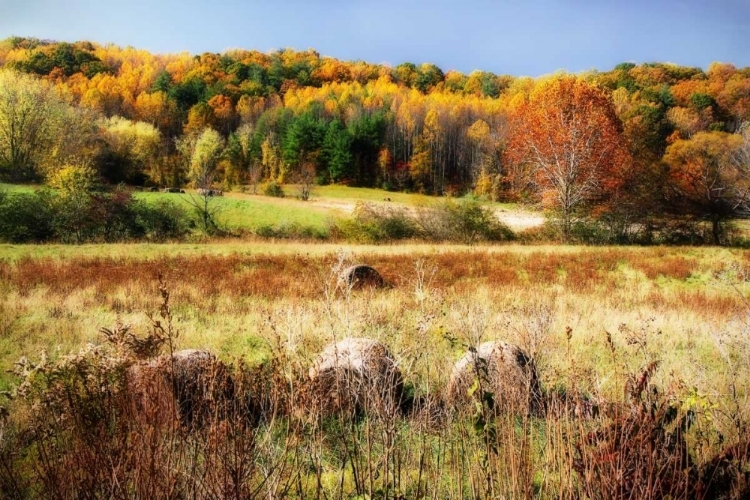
465	221
114	217
26	218
163	220
372	224
95	217
273	189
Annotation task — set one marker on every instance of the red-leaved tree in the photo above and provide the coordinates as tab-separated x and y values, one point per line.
570	139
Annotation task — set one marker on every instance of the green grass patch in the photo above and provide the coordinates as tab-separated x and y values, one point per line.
18	188
237	211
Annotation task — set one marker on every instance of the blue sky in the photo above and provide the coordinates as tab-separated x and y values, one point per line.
518	37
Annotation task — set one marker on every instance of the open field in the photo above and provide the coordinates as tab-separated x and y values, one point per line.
246	211
591	318
221	289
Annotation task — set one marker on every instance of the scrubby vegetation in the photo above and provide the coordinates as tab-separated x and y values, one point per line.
449	221
89	216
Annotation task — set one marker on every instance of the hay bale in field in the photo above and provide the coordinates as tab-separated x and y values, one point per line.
203	386
502	369
200	386
361	276
356	375
150	397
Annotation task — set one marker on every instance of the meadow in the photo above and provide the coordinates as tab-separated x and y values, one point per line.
597	321
249	211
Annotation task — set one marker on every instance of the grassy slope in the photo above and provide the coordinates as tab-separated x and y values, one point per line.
240	211
248	211
243	211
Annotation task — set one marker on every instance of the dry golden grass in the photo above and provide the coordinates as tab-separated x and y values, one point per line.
590	316
226	301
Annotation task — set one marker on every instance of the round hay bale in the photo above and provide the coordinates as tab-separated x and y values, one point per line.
361	276
150	397
502	369
203	386
356	375
200	386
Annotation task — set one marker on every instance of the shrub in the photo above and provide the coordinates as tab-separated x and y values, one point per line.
114	216
97	216
537	234
465	221
293	231
105	217
26	218
273	189
73	180
163	220
372	224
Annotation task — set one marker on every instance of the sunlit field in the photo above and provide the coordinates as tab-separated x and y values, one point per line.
374	267
594	320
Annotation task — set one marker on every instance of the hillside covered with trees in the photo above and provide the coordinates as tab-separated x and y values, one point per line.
638	146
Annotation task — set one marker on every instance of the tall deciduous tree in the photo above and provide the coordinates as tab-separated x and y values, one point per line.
31	116
205	157
205	153
132	150
569	135
710	177
239	152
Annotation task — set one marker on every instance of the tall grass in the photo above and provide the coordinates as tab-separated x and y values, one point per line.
642	355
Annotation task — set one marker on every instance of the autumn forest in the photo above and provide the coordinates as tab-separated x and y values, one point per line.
643	145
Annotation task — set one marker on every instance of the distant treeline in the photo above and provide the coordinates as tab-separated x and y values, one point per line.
627	147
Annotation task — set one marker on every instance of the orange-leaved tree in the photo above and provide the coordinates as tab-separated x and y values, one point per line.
568	135
710	177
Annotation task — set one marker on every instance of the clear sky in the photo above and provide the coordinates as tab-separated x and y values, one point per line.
518	37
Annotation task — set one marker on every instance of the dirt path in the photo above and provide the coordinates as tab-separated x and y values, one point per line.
519	219
515	219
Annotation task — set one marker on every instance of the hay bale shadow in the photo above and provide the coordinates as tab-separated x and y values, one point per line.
727	474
